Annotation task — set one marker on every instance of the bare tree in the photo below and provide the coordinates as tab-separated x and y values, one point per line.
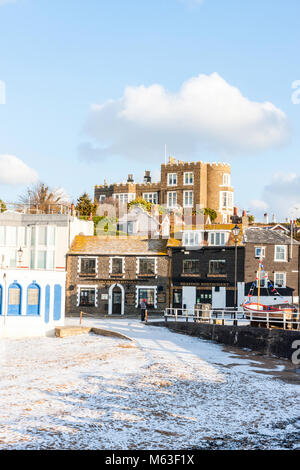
44	199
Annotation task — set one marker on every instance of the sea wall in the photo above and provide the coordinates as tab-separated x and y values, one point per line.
272	342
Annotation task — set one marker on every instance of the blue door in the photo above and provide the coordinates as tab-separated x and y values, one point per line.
14	299
0	300
57	303
47	304
33	299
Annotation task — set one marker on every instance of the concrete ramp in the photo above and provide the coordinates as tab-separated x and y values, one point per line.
65	331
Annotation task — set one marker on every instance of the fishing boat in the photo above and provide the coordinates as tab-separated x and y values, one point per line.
278	312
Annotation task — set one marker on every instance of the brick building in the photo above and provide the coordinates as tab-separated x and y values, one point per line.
192	185
203	267
280	259
111	275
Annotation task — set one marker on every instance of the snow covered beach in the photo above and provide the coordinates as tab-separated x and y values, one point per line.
162	391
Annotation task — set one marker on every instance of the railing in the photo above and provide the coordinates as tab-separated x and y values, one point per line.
24	208
234	316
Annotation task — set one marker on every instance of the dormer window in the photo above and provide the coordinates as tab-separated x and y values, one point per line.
218	238
192	238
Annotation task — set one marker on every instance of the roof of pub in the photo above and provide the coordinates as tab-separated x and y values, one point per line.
118	245
271	237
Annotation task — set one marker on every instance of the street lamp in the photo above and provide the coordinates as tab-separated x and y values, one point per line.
236	231
20	255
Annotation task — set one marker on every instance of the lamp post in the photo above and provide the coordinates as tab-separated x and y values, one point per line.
236	231
20	255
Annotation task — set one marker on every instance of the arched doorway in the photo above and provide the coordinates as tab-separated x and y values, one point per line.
116	299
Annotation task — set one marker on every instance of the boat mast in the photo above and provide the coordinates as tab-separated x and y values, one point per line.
259	272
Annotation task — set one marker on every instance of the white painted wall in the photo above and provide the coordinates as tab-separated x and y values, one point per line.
27	326
189	297
219	298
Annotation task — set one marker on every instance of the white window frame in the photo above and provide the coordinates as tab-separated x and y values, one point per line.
229	200
263	251
124	198
111	262
192	238
151	197
84	257
190	203
284	280
173	178
186	176
79	287
285	254
168	199
146	257
145	287
212	238
226	180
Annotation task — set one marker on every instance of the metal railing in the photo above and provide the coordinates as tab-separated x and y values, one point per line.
234	316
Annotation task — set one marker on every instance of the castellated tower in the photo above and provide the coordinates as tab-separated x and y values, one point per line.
192	185
220	194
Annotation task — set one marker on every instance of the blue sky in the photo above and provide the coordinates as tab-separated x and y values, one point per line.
59	58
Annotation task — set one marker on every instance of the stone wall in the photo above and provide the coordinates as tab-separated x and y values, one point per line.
270	342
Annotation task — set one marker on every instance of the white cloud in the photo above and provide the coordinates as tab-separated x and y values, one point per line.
283	195
207	113
14	171
257	204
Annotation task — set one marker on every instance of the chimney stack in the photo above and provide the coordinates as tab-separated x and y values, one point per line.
266	218
235	211
147	177
130	179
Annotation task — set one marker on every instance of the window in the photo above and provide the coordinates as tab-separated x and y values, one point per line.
11	236
102	198
14	296
226	179
172	179
226	199
177	297
13	259
124	198
42	235
172	199
87	297
188	178
218	238
117	266
149	294
263	280
41	259
280	280
192	238
33	300
191	266
130	227
280	253
147	266
188	198
151	197
260	251
88	265
217	266
51	235
21	236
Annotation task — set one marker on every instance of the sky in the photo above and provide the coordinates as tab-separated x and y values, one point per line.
94	90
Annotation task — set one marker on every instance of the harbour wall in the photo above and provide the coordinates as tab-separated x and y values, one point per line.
271	342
